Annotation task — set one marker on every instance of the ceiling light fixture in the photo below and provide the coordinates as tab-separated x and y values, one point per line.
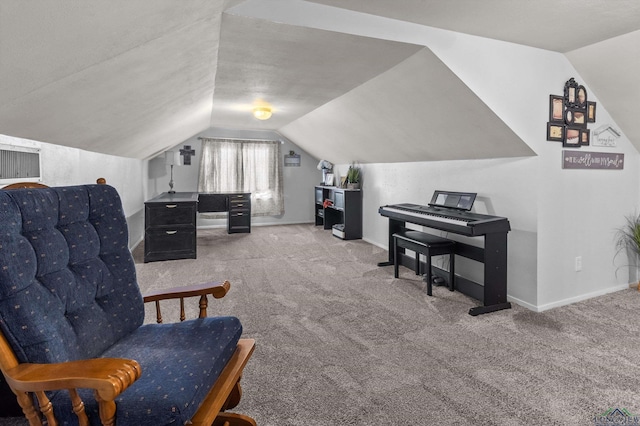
262	113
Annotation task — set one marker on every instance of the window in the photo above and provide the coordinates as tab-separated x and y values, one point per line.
19	164
230	165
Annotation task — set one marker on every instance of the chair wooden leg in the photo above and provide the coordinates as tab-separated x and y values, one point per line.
107	411
26	403
234	397
233	419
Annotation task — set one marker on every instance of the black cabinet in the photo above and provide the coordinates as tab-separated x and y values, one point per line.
239	220
340	210
170	227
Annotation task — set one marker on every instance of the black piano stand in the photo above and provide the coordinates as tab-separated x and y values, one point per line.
493	294
479	310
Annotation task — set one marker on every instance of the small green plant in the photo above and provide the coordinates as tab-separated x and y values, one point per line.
353	174
628	238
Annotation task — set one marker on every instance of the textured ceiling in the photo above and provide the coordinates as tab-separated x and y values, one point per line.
115	77
548	24
135	77
295	69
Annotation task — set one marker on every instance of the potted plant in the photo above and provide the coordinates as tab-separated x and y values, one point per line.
353	177
628	240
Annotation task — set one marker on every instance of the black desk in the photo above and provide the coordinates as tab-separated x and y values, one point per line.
237	204
170	221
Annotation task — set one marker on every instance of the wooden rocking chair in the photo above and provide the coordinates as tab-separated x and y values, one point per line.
73	347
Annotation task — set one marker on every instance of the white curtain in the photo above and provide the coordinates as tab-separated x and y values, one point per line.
230	165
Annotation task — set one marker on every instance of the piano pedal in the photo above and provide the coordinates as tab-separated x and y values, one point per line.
434	279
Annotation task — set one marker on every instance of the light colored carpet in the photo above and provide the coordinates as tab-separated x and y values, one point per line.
341	342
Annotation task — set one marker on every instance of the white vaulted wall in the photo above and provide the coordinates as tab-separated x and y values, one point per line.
64	166
576	211
556	215
297	185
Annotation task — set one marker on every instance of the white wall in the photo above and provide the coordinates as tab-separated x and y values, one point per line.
555	214
394	183
298	182
62	166
577	210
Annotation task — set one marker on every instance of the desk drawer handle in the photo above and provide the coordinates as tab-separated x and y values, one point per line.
239	205
239	214
171	232
171	206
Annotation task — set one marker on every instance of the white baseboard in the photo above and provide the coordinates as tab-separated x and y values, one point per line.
568	301
224	225
522	303
551	305
374	243
131	247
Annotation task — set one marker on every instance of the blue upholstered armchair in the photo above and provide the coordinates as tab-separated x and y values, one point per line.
73	346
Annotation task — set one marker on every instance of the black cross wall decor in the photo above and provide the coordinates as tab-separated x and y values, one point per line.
187	152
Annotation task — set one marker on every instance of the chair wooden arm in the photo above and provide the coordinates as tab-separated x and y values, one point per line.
217	289
108	376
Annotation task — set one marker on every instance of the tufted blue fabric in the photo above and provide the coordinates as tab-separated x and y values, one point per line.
68	291
68	287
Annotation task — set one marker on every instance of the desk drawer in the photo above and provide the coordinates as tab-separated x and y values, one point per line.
170	214
178	242
238	202
240	197
212	203
239	222
238	205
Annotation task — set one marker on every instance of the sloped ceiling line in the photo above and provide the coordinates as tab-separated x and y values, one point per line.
406	114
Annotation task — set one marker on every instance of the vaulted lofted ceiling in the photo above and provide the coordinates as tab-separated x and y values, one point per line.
136	77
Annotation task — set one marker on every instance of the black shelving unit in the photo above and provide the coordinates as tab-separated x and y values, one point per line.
340	210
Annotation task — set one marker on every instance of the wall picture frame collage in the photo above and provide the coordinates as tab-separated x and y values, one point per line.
569	115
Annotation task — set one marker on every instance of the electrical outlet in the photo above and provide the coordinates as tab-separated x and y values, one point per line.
578	263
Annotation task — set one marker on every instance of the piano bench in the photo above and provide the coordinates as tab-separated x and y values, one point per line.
428	245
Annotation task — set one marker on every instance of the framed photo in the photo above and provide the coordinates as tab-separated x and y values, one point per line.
591	112
580	118
585	137
292	160
572	137
329	179
555	132
581	97
568	116
556	109
575	117
570	93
